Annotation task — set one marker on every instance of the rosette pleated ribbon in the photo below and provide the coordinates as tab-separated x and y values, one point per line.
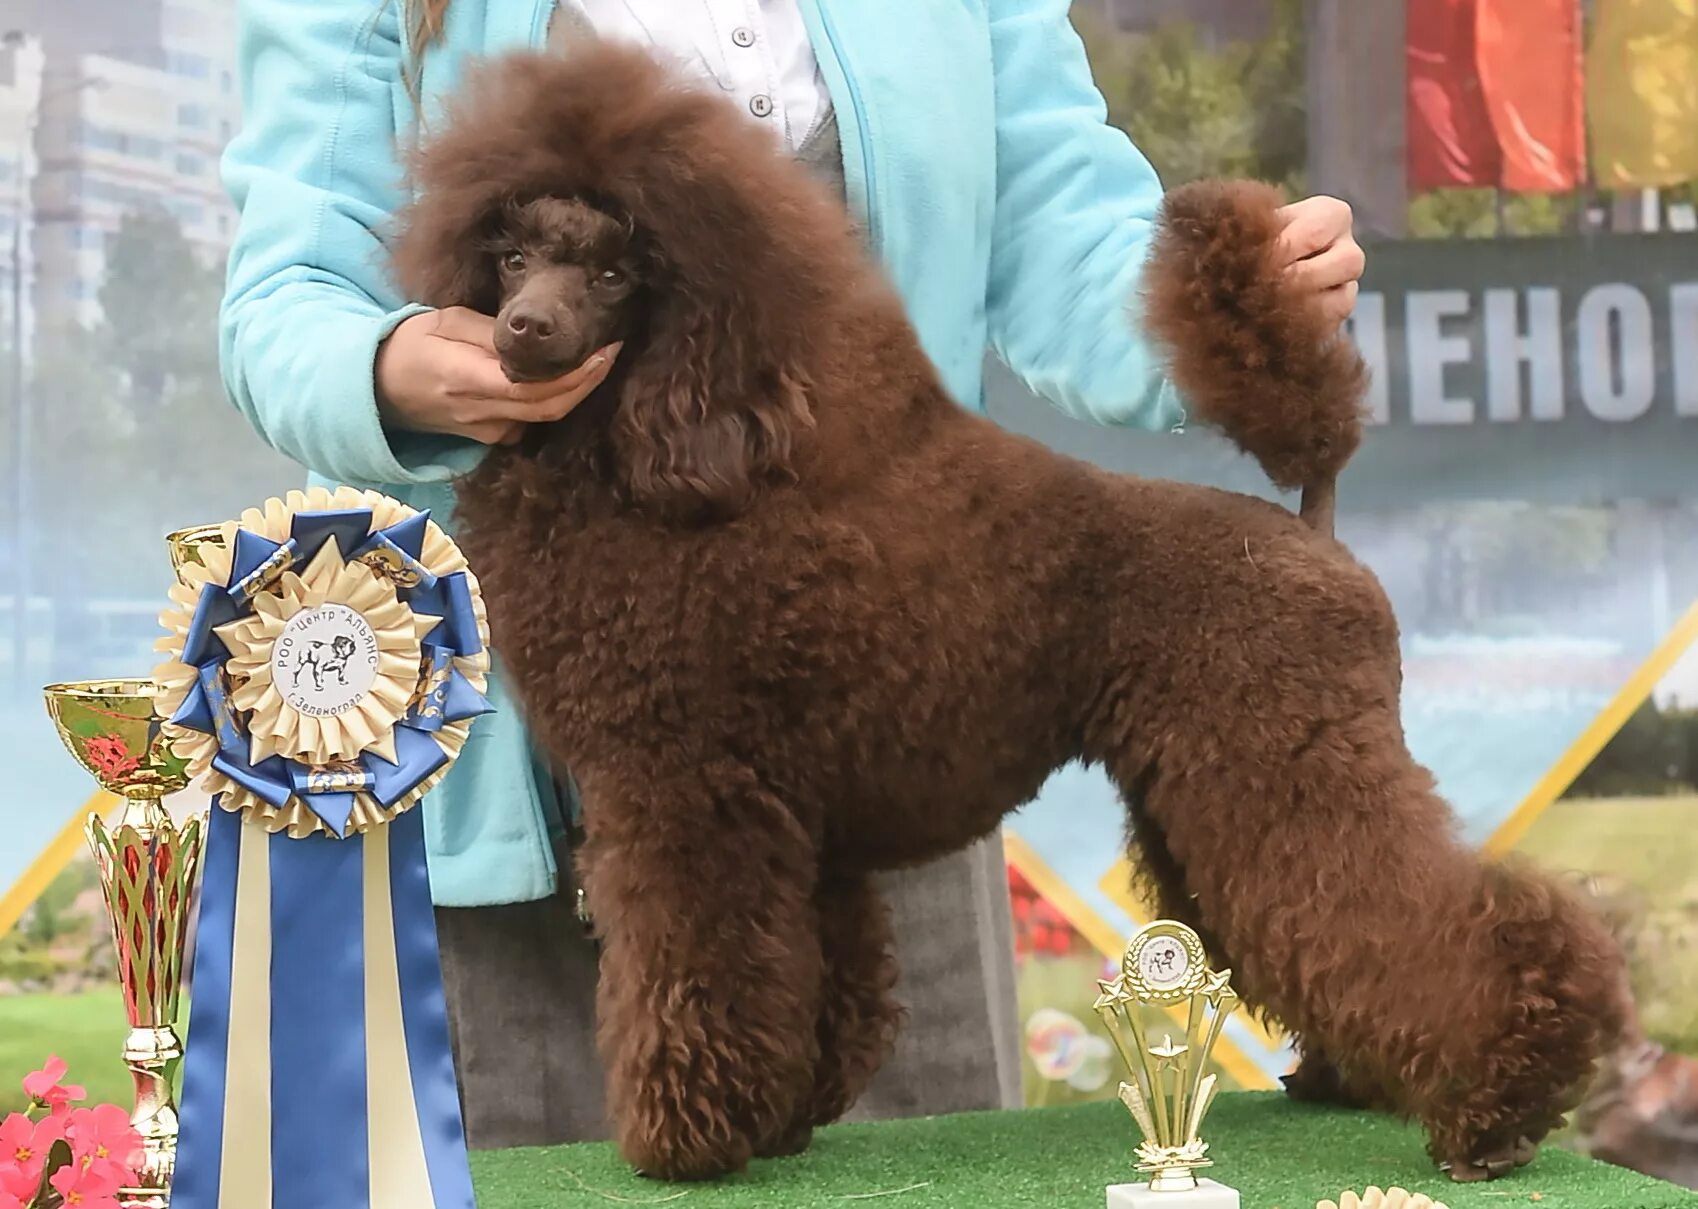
325	664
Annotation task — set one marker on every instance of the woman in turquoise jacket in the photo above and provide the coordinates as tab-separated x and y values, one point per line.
969	141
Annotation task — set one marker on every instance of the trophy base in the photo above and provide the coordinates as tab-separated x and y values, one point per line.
144	1198
1206	1195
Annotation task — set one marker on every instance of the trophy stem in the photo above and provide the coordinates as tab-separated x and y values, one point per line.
148	869
153	1055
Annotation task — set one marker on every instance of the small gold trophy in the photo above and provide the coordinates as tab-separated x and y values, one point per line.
1164	967
148	866
185	544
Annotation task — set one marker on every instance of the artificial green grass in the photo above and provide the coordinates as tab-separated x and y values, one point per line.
86	1030
1278	1155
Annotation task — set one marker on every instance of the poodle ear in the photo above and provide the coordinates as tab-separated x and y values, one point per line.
708	414
441	250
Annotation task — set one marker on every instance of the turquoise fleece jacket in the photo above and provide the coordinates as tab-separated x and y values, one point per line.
1006	211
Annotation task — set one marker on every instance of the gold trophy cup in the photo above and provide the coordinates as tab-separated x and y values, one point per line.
148	866
185	544
1165	967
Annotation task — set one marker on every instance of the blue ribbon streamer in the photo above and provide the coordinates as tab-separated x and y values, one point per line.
267	780
417	756
257	563
213	609
310	530
424	1016
200	1150
319	1135
428	712
450	598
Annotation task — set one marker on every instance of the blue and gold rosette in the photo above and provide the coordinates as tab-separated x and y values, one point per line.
325	663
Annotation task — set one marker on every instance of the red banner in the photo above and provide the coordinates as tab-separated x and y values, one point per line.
1530	57
1450	129
1495	95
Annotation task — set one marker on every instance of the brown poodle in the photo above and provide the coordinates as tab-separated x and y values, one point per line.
791	616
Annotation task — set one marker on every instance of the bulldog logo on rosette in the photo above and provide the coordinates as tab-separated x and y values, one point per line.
325	660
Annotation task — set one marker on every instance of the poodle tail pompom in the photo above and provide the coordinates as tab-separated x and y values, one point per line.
1249	357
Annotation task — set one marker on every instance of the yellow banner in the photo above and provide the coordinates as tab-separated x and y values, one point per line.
1642	93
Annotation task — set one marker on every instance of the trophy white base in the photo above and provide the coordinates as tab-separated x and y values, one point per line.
1206	1195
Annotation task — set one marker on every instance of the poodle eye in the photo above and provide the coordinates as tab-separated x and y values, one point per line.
513	261
611	277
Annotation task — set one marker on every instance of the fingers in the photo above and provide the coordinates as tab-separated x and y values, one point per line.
465	326
1340	301
1340	264
1319	249
543	402
1313	225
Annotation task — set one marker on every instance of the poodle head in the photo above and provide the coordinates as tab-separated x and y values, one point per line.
568	279
599	196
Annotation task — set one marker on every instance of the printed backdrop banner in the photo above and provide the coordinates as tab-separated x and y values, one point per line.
1561	371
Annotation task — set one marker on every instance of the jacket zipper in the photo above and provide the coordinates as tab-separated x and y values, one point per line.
858	105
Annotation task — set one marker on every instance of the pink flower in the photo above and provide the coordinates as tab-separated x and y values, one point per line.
23	1152
8	1201
102	1137
85	1187
44	1090
110	755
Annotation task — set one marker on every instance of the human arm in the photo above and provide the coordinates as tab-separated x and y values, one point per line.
1075	214
309	312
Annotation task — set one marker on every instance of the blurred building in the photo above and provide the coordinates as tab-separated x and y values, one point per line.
21	64
136	101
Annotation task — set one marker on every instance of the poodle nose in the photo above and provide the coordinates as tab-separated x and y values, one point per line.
531	322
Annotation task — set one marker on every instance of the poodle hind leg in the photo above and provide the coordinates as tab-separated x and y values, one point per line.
710	968
1327	869
1161	878
859	1015
1552	1000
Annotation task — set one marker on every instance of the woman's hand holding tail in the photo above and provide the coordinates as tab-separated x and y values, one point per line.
1321	253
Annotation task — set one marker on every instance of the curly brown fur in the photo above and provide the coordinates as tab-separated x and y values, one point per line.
791	616
1249	358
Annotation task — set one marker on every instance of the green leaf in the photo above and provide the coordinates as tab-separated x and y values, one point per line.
59	1155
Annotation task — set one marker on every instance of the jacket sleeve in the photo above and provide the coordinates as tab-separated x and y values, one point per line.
314	175
1076	202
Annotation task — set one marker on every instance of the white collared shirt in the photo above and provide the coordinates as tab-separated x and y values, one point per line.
755	50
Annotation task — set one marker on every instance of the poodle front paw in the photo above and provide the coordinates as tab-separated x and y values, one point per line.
793	1141
1318	1081
673	1156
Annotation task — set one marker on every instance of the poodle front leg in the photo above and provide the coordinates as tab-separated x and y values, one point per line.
703	887
1318	1080
859	1014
